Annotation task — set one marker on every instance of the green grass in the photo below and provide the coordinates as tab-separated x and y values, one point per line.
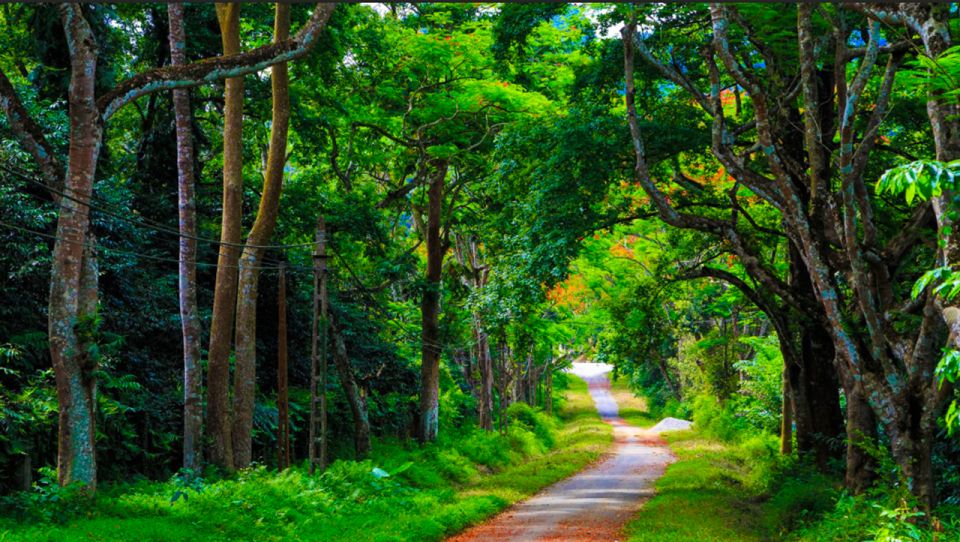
634	409
740	489
723	492
432	492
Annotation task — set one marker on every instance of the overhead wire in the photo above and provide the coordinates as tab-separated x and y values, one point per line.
100	247
145	222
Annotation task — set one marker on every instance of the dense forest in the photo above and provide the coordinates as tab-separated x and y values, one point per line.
317	272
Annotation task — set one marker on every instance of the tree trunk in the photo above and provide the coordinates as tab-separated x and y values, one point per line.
430	312
485	367
73	277
283	399
187	272
815	393
245	375
358	404
786	417
548	391
861	429
225	290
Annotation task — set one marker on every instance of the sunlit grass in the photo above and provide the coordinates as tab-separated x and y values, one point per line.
633	408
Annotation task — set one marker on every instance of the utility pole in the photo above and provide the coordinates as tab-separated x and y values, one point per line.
283	401
318	364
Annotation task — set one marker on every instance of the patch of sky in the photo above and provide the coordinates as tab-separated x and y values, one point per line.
856	39
666	87
559	22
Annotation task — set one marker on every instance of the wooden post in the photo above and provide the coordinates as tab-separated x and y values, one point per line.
324	332
283	401
317	366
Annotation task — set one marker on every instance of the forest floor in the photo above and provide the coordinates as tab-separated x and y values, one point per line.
595	504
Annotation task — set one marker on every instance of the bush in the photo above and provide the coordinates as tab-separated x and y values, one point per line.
717	421
485	448
537	422
47	502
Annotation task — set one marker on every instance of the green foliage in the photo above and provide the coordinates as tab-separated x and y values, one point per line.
47	501
923	179
724	491
404	492
717	421
928	179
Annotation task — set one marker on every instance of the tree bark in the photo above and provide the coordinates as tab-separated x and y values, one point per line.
548	389
430	311
485	367
861	430
76	384
786	415
73	278
244	382
187	270
225	289
358	404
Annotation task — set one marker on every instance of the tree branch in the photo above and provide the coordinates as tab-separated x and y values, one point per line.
30	135
217	68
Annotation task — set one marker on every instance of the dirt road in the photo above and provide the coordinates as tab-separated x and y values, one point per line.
594	504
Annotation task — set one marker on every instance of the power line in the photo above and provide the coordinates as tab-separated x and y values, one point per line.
144	222
135	254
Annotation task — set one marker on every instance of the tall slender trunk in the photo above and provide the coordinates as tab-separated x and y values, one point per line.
244	381
485	367
187	271
73	277
225	290
430	311
548	390
358	404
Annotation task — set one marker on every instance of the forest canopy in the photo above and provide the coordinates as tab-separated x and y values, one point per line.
242	236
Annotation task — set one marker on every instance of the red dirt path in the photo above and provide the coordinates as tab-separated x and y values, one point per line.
594	504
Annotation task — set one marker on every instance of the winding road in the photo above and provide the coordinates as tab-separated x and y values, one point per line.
594	504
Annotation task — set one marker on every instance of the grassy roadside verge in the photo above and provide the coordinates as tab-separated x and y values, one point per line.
716	492
404	493
741	489
633	408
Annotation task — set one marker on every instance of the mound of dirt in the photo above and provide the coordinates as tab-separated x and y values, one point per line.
671	424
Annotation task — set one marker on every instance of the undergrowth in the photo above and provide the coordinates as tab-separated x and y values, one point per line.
730	483
405	492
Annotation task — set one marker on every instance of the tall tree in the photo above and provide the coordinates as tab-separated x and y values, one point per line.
73	285
225	292
430	307
187	271
855	271
260	234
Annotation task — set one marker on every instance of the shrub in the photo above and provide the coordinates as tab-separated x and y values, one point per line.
540	424
715	420
485	448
